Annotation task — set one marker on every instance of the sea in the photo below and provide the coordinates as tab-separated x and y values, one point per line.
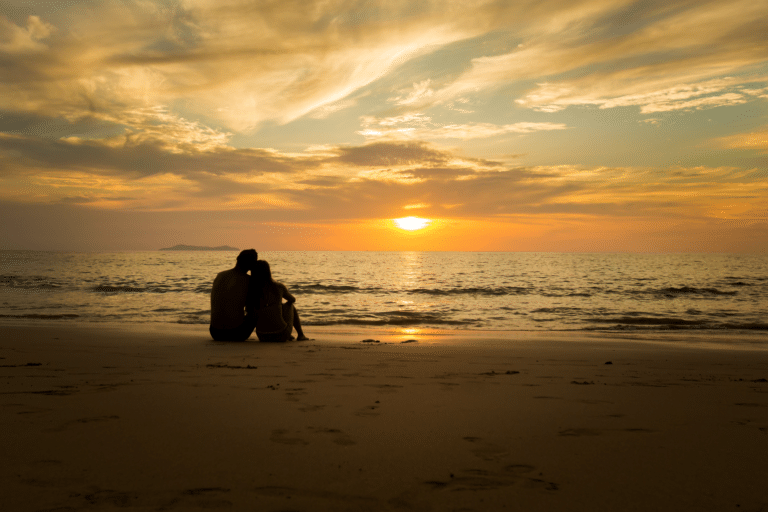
512	291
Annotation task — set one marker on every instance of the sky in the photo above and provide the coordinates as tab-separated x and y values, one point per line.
589	125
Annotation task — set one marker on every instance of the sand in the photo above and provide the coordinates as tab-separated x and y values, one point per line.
99	417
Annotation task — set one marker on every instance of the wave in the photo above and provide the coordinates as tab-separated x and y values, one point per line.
672	292
318	288
399	318
39	316
752	326
686	290
646	320
574	294
196	317
27	282
330	288
105	288
678	323
504	290
557	309
193	321
183	285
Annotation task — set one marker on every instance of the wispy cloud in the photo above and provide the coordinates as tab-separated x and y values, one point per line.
709	94
674	57
751	140
418	94
236	62
421	127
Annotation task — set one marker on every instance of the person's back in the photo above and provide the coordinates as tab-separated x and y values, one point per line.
270	308
229	295
230	300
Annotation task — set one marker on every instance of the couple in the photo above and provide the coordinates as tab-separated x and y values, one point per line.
241	303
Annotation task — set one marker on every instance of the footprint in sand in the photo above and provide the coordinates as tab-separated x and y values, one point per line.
293	394
368	410
81	421
386	388
579	432
50	392
751	423
337	436
110	497
325	500
484	480
311	408
486	451
208	497
279	436
204	490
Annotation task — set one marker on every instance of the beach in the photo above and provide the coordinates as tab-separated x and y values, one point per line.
160	417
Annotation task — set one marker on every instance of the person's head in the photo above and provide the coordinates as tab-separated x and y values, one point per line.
246	260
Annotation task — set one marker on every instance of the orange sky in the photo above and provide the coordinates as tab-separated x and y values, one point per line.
600	125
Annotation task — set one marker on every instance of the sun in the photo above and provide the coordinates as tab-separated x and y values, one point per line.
412	223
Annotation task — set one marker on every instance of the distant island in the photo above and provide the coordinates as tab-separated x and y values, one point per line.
199	248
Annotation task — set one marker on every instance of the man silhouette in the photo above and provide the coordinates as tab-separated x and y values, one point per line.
233	313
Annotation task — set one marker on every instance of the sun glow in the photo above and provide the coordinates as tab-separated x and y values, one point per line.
412	223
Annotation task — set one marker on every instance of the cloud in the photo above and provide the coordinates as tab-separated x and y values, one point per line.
239	65
663	58
24	40
234	61
128	156
323	111
552	98
751	140
421	127
242	64
392	154
418	94
760	93
345	181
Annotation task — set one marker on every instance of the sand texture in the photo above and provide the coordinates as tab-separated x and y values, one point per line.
98	418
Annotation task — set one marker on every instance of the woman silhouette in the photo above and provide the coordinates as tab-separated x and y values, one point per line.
274	319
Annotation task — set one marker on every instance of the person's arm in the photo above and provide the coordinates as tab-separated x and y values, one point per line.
290	299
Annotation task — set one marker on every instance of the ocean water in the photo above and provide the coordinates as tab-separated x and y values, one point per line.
461	290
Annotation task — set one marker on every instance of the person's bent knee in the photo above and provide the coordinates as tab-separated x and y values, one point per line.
288	312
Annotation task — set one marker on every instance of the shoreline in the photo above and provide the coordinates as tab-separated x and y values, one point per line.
755	340
97	417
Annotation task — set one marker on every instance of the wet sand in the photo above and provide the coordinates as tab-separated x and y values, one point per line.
98	417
